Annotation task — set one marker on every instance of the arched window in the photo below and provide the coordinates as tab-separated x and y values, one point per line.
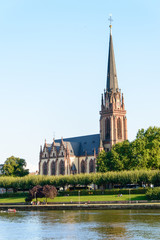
73	169
53	168
107	128
91	166
61	168
119	128
83	167
45	168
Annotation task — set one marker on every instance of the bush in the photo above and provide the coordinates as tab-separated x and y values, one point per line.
153	194
102	192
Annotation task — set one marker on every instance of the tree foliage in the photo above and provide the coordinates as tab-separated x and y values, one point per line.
110	177
15	167
47	191
142	153
153	194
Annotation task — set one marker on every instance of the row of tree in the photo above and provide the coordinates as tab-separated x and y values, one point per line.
123	178
142	153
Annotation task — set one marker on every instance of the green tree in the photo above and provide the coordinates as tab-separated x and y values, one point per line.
102	162
15	167
116	159
146	149
142	153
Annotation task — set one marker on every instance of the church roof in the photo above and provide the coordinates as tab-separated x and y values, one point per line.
112	82
79	146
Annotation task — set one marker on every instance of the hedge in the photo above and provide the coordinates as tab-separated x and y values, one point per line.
100	179
9	195
103	192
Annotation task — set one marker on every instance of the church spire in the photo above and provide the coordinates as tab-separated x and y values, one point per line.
113	122
112	82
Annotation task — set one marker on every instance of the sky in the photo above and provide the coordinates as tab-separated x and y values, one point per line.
53	67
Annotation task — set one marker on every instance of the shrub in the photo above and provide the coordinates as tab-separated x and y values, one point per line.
153	194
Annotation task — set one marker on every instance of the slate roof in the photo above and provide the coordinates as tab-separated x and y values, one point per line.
80	145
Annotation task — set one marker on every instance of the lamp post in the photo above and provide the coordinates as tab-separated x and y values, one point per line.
36	197
79	196
129	196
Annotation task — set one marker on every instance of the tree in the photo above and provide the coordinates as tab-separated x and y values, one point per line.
146	149
142	153
102	162
47	191
112	160
15	167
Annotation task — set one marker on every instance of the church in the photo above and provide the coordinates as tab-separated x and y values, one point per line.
78	154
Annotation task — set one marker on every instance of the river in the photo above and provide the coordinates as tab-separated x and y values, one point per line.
85	225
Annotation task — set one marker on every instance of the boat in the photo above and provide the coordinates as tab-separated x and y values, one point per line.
11	210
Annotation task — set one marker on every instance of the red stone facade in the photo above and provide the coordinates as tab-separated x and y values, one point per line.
113	121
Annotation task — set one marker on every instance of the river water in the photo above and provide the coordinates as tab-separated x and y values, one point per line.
85	225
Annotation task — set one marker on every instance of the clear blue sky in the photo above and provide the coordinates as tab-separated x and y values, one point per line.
53	64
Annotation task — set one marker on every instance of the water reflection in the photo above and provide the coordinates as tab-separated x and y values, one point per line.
106	224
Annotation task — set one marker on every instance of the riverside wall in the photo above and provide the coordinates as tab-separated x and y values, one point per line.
153	205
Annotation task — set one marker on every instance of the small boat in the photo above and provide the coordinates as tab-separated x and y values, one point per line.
11	210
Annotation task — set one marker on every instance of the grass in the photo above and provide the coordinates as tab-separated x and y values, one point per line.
12	200
133	197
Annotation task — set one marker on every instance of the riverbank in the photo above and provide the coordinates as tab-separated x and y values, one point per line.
73	199
82	206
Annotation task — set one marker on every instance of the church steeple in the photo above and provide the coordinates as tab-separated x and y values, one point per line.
113	122
112	82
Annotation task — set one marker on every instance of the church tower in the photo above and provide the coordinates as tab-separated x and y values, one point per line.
113	121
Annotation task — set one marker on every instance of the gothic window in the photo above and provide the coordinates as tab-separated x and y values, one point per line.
119	128
61	168
45	168
107	128
83	167
53	168
73	169
91	166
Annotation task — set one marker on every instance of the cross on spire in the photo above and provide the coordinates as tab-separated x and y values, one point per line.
110	19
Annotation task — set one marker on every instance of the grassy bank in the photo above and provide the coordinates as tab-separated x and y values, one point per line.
133	197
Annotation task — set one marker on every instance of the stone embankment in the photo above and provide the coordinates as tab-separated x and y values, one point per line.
83	206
